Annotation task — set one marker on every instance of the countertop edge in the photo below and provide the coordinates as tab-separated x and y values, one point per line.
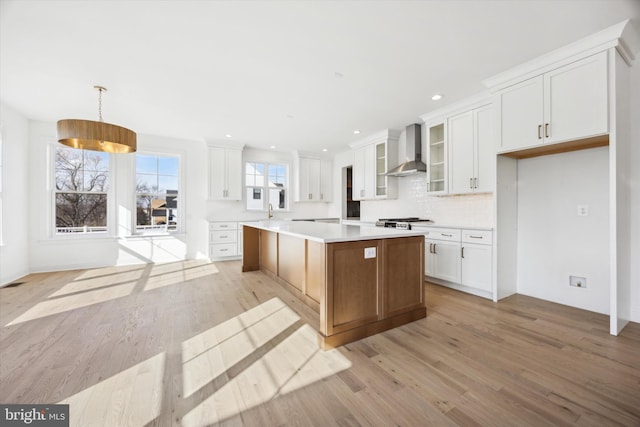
262	226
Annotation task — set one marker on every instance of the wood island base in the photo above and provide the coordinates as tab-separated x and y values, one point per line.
355	334
359	287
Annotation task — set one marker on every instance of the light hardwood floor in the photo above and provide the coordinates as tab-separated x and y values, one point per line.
195	344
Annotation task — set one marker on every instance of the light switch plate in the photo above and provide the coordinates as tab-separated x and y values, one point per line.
583	210
369	253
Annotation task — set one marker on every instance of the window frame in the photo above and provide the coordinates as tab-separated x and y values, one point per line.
265	188
110	194
180	205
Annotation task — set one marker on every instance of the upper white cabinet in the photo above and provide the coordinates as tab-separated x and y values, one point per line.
315	179
472	151
225	172
564	104
362	162
373	158
436	157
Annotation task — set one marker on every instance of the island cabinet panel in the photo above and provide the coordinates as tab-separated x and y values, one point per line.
291	259
403	272
359	286
352	285
269	251
250	248
316	270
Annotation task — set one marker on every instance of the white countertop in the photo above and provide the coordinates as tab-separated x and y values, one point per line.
329	233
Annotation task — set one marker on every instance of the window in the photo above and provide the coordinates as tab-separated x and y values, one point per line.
266	184
81	186
157	192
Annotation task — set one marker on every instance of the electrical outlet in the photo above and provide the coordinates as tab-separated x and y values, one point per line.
578	282
583	210
369	252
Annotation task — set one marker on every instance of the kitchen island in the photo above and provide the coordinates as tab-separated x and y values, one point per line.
361	280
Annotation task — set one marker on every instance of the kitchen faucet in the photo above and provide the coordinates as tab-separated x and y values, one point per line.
270	211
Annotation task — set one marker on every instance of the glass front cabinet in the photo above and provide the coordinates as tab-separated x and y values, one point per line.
437	157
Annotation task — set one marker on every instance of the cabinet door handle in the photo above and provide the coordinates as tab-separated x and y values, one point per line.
224	237
447	235
321	196
310	196
361	193
475	237
470	182
428	187
462	251
224	250
539	131
434	248
546	130
475	182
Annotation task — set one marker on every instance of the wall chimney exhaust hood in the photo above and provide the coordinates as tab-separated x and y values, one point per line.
414	163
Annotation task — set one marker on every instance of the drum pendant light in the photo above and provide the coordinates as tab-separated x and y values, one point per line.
96	136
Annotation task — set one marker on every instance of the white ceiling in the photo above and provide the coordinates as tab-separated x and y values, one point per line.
265	71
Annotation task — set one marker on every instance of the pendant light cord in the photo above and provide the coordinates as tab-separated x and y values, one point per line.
100	90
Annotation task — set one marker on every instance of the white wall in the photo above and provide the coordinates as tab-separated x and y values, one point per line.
635	192
553	241
236	211
48	252
14	248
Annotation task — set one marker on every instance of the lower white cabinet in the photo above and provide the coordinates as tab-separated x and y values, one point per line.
460	258
442	254
225	239
476	266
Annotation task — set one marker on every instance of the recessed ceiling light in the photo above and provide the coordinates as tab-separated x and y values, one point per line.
325	150
356	132
272	147
437	97
228	135
289	116
338	75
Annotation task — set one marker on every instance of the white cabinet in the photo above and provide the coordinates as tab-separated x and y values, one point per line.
443	259
472	152
476	259
225	173
363	172
436	158
460	258
373	158
442	254
568	103
315	178
225	239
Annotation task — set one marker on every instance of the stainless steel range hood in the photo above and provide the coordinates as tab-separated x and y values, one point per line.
414	163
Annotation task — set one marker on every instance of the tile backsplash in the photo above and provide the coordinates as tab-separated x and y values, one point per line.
474	210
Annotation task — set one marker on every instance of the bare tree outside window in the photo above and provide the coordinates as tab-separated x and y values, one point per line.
81	185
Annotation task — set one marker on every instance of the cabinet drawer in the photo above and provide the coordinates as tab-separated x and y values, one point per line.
483	237
449	234
223	236
220	225
222	250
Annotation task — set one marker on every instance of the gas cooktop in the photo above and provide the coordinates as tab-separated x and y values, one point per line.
402	223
